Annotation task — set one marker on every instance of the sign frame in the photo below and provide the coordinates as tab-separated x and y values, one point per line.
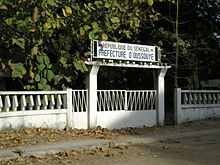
124	51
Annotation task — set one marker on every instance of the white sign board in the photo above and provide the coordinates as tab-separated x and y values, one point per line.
124	51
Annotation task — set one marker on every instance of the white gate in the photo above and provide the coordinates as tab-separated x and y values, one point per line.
126	108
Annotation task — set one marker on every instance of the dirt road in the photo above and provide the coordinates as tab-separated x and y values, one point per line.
199	150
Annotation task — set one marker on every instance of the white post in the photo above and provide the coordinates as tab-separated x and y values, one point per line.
69	102
92	95
160	98
177	106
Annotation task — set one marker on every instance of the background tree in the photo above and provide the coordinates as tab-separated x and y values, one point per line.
44	42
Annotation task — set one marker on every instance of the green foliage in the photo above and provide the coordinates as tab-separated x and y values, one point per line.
18	70
53	37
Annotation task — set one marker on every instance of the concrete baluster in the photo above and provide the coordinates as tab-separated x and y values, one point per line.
7	103
23	102
209	98
204	98
65	101
214	99
52	102
185	98
38	102
59	101
218	98
31	102
45	102
200	99
190	98
195	98
1	104
14	103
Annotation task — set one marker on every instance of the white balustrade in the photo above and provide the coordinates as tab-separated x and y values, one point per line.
34	100
202	97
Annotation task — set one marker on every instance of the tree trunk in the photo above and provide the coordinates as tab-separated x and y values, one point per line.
177	44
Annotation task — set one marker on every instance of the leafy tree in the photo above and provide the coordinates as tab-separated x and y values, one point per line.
44	42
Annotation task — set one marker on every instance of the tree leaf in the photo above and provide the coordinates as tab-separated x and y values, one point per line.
41	67
78	66
68	10
82	31
104	37
40	59
99	4
50	75
9	21
20	42
40	86
84	67
64	12
47	25
63	60
115	20
51	2
37	78
47	87
46	59
57	79
43	81
86	27
150	2
91	35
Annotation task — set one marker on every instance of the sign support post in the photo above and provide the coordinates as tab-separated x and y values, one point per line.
161	96
92	96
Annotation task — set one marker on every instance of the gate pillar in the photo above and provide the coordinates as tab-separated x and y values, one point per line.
92	96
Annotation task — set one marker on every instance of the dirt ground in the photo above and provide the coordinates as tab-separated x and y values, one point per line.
193	150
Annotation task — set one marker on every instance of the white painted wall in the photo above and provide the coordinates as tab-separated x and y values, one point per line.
111	119
122	119
80	120
193	105
146	118
33	119
191	114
